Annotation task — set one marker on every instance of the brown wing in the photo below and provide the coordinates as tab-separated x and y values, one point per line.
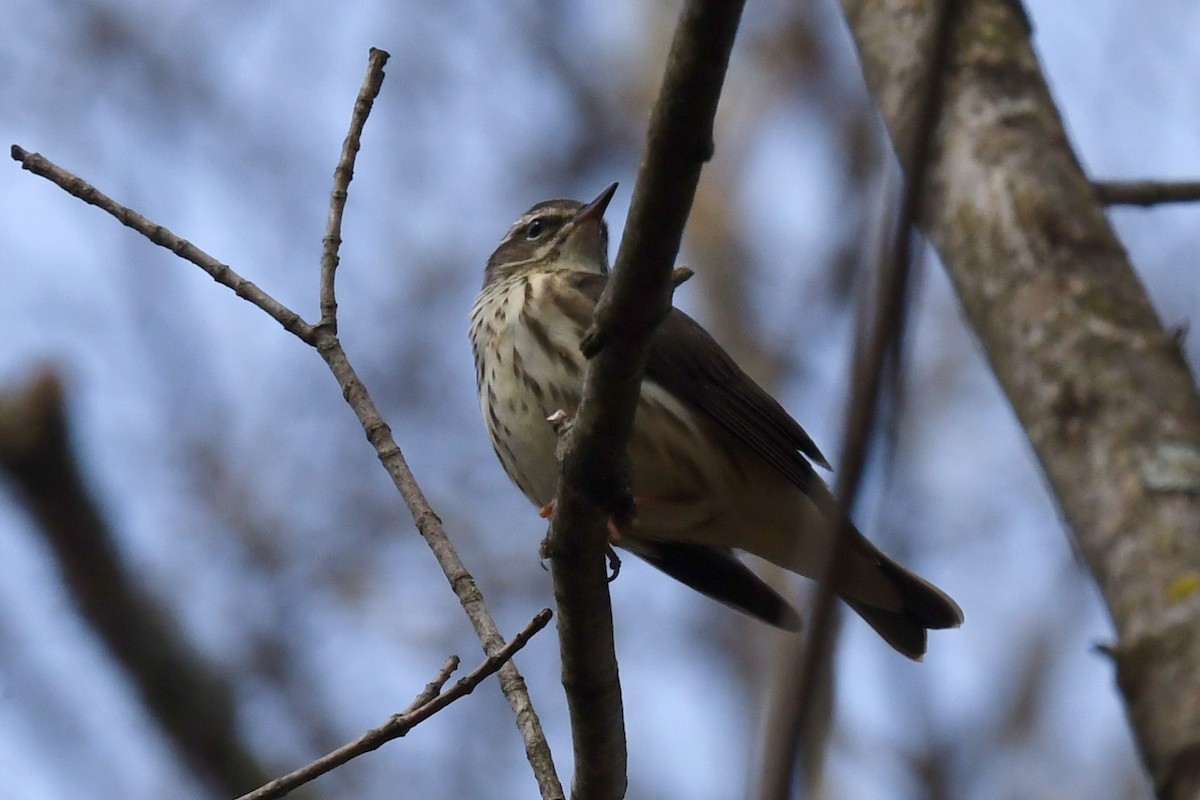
689	363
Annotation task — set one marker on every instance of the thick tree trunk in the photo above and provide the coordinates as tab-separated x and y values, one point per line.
1100	387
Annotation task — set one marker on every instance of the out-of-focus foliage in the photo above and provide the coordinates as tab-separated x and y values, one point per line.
246	501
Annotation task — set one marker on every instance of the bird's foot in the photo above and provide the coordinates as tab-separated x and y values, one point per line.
614	533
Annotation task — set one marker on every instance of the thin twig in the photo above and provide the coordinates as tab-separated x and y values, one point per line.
429	525
342	175
434	687
161	236
537	749
868	370
430	701
1146	193
594	483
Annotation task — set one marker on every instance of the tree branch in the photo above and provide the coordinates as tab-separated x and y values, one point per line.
430	701
221	273
595	482
1146	193
377	431
342	175
1102	390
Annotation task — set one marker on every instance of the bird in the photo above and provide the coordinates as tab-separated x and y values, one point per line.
718	465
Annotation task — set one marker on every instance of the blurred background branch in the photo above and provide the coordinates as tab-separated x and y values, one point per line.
1101	387
1147	193
802	722
185	695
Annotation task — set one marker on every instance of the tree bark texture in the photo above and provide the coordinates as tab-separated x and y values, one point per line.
1100	387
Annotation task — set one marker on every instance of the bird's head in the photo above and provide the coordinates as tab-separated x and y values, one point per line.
553	236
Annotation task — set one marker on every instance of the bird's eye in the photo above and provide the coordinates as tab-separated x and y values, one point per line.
535	229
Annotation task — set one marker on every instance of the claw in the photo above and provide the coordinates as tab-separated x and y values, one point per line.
546	511
614	564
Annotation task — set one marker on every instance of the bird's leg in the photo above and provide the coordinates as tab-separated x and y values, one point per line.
614	535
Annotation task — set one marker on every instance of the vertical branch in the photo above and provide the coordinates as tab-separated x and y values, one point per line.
342	175
537	749
595	482
1101	389
877	344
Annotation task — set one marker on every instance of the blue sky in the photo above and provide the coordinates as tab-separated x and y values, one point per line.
243	495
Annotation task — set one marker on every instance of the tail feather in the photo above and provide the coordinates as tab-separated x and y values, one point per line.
914	605
718	573
925	607
932	607
903	631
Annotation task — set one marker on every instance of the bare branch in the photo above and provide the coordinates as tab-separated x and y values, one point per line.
377	431
342	175
430	701
434	687
1102	390
221	273
430	527
595	482
537	750
680	275
1146	193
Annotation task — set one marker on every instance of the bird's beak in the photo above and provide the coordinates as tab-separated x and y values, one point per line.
595	209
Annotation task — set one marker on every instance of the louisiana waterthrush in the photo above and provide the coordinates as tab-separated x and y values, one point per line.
718	464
